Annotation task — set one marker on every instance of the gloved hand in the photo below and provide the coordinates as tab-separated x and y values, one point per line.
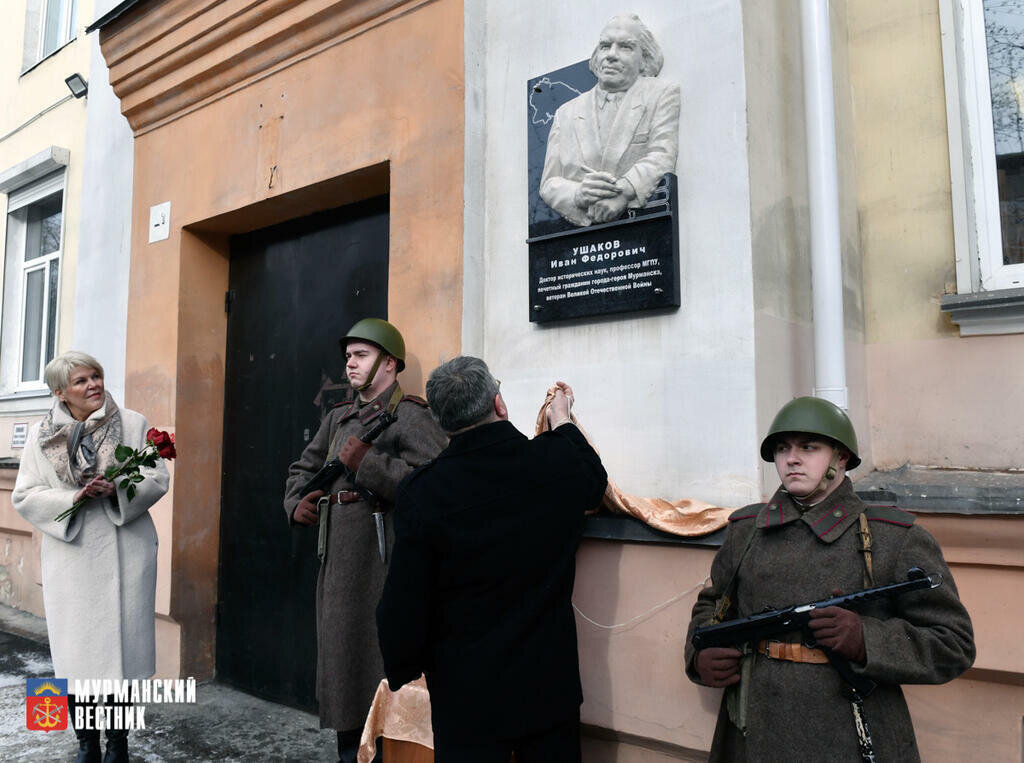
352	452
718	666
306	513
561	404
840	630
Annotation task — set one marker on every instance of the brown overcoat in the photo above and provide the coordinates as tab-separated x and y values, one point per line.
795	710
351	577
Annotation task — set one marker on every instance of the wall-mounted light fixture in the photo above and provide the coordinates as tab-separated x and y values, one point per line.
77	85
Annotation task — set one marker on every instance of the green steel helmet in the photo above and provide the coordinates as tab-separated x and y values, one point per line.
813	415
378	332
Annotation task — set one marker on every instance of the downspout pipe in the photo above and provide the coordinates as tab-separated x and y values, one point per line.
823	192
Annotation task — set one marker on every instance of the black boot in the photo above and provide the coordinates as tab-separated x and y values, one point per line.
117	746
88	739
88	746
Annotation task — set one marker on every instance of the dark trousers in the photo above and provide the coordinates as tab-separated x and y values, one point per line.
558	744
348	746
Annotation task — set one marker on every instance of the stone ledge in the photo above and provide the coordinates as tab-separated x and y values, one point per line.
24	624
912	488
945	491
620	527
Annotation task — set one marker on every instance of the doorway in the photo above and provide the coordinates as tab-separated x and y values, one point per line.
294	289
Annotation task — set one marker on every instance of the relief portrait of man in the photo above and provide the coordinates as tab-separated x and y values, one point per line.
609	146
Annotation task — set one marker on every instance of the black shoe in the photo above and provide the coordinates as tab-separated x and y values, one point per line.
117	746
88	746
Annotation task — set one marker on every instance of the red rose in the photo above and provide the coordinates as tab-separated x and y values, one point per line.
164	442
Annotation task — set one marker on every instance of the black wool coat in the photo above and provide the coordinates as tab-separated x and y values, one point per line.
478	595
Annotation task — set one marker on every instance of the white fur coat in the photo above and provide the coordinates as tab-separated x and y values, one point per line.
99	569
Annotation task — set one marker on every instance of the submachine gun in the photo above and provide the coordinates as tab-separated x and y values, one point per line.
775	622
334	468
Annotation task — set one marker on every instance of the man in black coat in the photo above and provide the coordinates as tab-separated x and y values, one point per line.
479	593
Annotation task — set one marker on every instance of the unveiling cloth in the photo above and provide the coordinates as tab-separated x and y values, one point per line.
685	516
402	715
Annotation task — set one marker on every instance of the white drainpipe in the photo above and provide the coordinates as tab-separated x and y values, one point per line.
823	191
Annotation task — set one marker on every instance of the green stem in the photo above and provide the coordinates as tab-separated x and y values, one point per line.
130	461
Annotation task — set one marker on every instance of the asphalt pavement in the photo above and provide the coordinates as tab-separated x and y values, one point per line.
223	725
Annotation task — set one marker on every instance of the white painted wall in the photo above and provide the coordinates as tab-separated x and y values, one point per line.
669	399
101	295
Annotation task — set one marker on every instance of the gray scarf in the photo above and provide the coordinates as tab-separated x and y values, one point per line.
79	450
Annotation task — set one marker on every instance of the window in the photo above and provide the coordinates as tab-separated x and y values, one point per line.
983	56
49	25
32	253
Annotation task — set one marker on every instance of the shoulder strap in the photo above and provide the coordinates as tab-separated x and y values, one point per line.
396	398
725	600
865	548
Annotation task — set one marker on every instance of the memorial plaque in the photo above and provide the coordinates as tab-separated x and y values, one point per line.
613	268
603	137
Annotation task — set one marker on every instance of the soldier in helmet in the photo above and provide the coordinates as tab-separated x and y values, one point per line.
813	540
354	537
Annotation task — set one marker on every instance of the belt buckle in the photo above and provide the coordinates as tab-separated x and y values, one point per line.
768	647
337	496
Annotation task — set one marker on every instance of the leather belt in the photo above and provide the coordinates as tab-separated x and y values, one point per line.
782	650
342	496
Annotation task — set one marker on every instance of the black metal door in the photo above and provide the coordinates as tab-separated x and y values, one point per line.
295	288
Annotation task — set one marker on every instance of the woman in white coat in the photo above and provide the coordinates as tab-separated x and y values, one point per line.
99	566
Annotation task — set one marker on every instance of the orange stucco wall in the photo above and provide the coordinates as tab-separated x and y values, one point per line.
387	94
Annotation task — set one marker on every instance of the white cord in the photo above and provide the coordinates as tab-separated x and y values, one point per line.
650	611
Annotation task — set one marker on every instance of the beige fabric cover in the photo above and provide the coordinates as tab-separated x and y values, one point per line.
684	516
402	714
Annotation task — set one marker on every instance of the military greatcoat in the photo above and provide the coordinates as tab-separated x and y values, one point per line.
349	666
795	711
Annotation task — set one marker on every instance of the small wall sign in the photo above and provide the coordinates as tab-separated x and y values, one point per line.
19	434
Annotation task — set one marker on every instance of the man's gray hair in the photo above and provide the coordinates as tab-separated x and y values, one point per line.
653	58
461	393
58	371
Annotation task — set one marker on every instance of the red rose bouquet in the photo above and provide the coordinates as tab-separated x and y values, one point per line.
159	444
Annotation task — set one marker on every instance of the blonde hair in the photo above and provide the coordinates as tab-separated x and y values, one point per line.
58	371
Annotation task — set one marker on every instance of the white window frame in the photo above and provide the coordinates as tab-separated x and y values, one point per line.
976	224
65	28
20	198
34	50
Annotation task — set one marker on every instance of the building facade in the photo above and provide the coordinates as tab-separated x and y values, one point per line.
65	198
297	163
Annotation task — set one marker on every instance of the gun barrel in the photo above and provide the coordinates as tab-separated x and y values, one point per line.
778	621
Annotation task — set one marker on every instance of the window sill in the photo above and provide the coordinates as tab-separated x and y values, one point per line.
48	56
27	403
986	312
23	394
